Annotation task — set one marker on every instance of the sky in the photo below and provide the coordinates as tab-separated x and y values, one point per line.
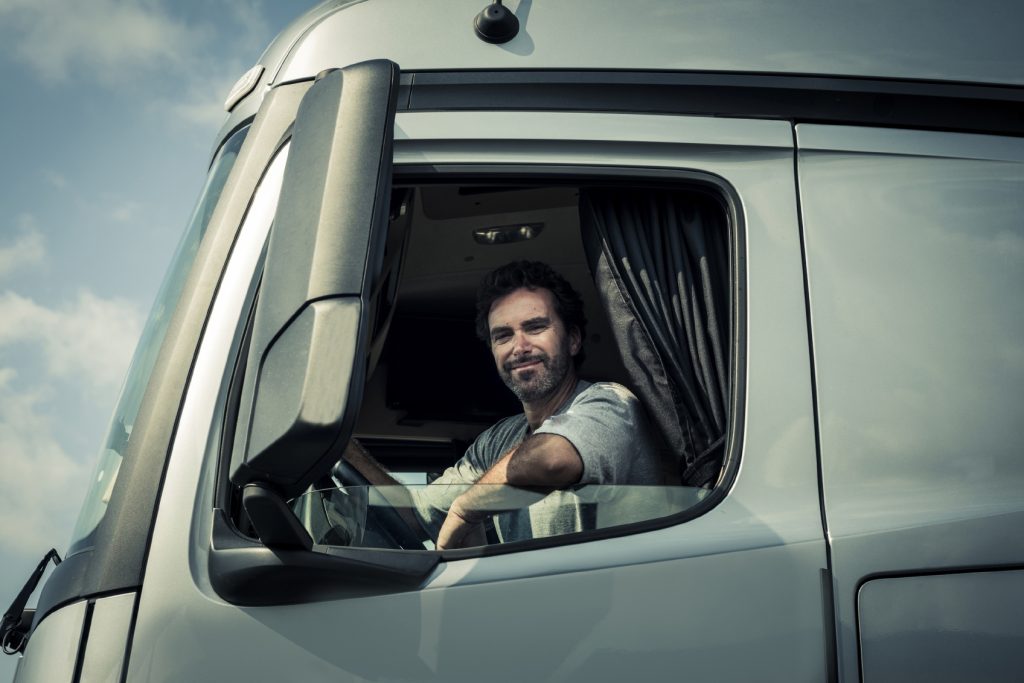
108	116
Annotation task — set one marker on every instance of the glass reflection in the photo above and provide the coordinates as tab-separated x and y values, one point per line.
408	517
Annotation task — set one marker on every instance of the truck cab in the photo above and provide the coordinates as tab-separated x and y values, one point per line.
797	234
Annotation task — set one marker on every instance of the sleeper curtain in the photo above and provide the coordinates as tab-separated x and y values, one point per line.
660	260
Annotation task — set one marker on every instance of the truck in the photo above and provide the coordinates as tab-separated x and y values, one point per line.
798	231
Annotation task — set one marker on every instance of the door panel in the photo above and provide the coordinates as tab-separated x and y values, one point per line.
732	594
915	255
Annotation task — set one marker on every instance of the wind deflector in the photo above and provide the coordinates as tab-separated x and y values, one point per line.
306	362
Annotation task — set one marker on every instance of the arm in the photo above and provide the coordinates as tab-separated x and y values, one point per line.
360	458
375	473
542	462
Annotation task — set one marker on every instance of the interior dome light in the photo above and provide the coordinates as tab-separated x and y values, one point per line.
504	234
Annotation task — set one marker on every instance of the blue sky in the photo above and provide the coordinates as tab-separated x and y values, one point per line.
109	111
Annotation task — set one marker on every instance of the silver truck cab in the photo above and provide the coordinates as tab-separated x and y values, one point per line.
798	229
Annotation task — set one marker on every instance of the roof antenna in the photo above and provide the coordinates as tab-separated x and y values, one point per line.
496	24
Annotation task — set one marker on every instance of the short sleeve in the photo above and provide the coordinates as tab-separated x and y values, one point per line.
606	425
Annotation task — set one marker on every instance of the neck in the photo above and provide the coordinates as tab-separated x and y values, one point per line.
541	409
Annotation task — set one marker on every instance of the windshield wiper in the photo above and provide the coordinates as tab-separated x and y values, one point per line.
17	620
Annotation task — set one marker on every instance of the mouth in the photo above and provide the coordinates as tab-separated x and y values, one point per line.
524	364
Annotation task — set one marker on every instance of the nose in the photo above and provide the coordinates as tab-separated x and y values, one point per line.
521	345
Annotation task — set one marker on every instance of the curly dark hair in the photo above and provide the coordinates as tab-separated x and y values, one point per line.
531	275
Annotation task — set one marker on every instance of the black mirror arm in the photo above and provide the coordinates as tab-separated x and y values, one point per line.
14	627
273	522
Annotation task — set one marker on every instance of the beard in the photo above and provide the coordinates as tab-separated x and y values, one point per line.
540	381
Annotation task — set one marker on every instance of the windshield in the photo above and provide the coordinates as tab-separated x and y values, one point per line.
123	420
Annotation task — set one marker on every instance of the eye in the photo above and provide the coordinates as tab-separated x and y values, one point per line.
500	337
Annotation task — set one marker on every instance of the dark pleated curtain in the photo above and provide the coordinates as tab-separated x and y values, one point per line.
660	260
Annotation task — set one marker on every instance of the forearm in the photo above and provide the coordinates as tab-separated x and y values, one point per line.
366	465
521	477
389	487
493	494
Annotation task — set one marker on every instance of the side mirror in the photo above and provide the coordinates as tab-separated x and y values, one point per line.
308	352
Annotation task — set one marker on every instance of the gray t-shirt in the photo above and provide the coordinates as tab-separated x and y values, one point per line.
606	424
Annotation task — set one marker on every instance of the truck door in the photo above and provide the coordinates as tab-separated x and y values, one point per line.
915	262
734	588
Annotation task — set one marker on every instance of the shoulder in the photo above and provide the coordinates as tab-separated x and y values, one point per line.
510	428
611	392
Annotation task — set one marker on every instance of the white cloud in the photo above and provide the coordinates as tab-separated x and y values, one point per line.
255	32
125	212
84	345
42	486
92	338
55	179
109	39
28	249
116	42
202	103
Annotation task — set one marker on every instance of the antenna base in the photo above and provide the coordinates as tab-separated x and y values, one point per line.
496	24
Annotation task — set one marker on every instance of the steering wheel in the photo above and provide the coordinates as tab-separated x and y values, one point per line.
384	520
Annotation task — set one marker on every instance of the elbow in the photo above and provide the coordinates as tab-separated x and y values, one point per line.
547	468
563	471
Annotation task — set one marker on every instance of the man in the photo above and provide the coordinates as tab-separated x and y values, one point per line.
570	432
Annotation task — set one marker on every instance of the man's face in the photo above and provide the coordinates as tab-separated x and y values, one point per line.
532	349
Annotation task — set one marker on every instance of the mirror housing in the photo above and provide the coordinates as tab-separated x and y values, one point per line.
307	357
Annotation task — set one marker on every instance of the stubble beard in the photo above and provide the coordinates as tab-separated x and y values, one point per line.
540	382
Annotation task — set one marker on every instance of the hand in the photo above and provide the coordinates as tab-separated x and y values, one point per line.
460	529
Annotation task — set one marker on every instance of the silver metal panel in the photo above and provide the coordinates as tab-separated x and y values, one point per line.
934	40
53	648
915	254
666	603
108	637
943	629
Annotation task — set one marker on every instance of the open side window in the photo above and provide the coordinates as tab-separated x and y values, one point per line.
652	264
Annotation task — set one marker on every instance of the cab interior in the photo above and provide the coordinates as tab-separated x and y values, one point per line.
433	386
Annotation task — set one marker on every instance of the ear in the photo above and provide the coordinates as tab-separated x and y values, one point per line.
575	341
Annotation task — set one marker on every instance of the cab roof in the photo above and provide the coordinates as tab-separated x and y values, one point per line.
942	43
930	40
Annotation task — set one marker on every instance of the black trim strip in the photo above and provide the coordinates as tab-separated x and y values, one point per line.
130	640
83	641
828	626
937	571
949	106
831	642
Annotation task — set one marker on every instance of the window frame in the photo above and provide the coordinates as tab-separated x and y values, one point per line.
227	534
